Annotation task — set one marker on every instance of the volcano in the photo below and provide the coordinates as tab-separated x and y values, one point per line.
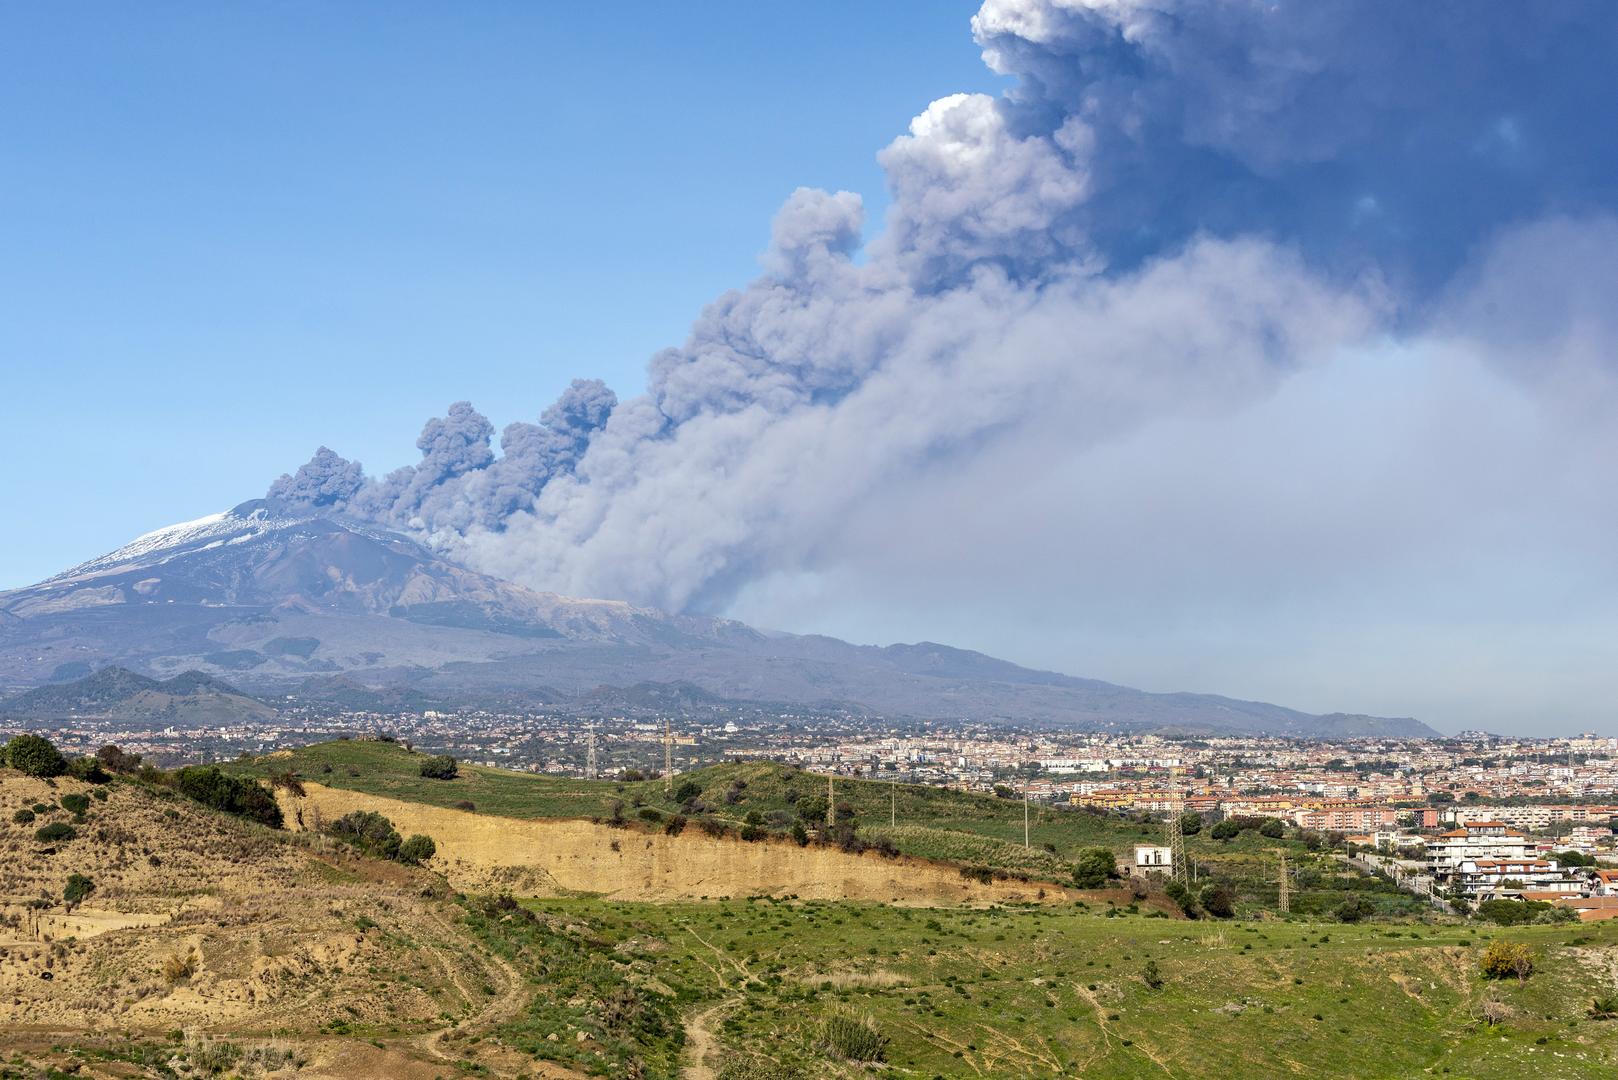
282	601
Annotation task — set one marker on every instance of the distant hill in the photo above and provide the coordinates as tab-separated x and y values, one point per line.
332	611
190	697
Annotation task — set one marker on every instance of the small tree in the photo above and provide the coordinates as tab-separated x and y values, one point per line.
1190	823
1229	829
1354	909
686	791
56	830
1182	896
1272	828
113	759
440	767
1217	901
77	888
35	755
417	849
1152	975
1093	867
1504	959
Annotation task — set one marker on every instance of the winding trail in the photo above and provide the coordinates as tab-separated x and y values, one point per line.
701	1042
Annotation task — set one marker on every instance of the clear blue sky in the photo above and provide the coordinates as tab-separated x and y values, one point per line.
229	233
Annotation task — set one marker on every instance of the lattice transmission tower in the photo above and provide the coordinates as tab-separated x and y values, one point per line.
590	769
1174	840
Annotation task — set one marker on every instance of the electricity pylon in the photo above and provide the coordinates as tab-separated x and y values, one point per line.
590	756
1174	835
668	757
1284	896
831	803
1025	814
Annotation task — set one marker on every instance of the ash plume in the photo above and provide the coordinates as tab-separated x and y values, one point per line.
1176	205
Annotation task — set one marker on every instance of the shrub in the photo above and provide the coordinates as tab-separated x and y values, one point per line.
800	835
440	767
1152	975
1190	823
1272	828
1354	909
89	770
757	1068
812	809
631	776
232	794
56	830
35	755
370	832
24	816
1217	901
1182	896
75	803
417	849
77	888
1505	959
675	825
853	1038
753	832
113	759
688	790
1093	867
1604	1006
647	813
1229	829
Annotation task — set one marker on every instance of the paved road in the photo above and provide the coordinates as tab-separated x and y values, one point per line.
1419	884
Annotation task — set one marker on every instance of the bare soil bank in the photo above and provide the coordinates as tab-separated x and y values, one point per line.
551	858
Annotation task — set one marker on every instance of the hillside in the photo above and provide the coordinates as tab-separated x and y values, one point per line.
281	600
209	946
924	822
188	698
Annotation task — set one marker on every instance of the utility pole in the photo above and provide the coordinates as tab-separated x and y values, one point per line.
668	757
1284	898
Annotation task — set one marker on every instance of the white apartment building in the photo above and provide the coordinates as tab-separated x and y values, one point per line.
1474	840
1485	879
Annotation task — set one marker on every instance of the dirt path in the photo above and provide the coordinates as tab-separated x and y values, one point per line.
701	1043
511	1000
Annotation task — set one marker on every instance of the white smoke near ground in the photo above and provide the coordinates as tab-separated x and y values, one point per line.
1177	206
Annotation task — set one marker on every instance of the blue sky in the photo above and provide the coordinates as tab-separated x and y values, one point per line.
229	233
1260	348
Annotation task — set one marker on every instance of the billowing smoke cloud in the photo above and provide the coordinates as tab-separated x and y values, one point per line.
1177	205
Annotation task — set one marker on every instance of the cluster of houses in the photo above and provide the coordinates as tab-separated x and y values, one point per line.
1491	860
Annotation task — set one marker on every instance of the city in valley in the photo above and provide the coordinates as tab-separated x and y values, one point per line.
1472	818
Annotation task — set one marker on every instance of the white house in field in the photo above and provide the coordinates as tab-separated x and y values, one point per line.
1149	859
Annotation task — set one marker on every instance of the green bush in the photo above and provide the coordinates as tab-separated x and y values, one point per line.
1152	975
77	888
1182	896
1272	829
24	816
1217	901
89	770
1354	909
56	830
853	1038
370	832
417	849
34	755
232	794
688	790
647	813
75	803
1093	867
1229	829
441	767
675	825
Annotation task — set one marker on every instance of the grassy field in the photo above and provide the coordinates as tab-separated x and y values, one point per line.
1039	993
931	822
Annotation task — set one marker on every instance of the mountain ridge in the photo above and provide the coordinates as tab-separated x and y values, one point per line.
336	609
